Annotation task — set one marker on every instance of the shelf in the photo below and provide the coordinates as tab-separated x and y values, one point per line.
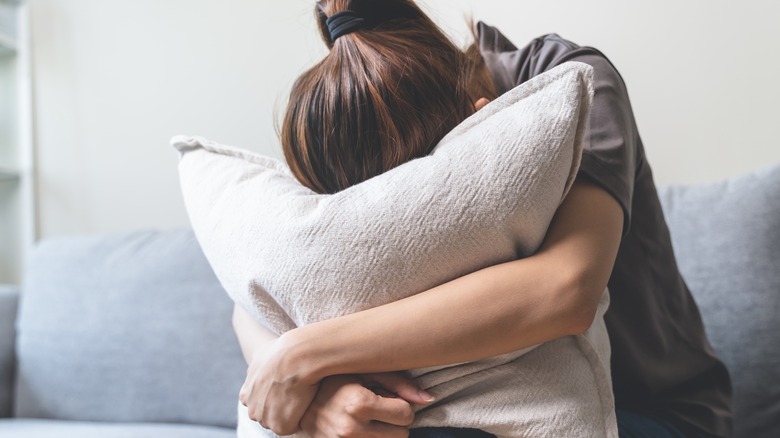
17	215
8	175
8	27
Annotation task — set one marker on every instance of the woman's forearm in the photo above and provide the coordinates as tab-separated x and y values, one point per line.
493	311
252	336
483	314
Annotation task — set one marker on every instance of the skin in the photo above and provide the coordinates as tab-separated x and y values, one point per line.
315	379
368	405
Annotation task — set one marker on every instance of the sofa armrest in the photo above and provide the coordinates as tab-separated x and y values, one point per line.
9	301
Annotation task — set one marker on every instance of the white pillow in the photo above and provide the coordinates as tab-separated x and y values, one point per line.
485	195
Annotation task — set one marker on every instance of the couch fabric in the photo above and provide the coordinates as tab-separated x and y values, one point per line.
130	327
27	428
726	237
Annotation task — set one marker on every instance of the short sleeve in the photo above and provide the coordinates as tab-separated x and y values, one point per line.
611	152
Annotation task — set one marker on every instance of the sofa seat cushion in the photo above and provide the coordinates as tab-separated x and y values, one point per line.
126	327
726	236
33	428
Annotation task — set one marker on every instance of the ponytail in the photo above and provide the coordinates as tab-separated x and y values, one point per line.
391	87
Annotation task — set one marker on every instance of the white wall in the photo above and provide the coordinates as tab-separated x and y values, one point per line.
116	78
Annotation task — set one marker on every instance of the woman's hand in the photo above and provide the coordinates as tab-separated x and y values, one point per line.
357	406
371	406
275	396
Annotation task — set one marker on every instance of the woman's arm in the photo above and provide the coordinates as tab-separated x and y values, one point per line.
252	336
496	310
344	405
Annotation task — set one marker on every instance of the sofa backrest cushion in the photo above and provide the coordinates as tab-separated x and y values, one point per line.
130	327
727	240
8	304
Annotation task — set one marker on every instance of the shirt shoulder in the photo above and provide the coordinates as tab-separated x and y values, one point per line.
514	65
612	149
511	66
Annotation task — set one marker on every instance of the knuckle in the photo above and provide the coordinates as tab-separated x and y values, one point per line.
346	428
352	409
356	403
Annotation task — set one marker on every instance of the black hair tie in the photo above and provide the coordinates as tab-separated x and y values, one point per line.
344	22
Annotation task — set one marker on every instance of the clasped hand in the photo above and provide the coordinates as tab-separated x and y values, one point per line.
368	405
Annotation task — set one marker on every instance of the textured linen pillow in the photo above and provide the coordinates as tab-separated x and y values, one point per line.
485	195
726	236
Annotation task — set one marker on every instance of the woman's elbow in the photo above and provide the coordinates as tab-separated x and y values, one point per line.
582	303
582	319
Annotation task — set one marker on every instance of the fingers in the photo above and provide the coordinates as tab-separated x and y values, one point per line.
273	402
349	428
481	103
393	411
401	385
344	408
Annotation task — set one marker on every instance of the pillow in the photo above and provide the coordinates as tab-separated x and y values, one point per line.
726	236
485	195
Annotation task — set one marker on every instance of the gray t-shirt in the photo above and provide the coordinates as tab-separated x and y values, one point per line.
662	362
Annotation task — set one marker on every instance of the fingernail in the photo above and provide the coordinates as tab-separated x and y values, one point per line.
426	396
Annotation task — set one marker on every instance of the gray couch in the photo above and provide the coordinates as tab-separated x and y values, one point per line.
128	335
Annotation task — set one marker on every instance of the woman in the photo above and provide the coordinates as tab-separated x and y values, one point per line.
610	230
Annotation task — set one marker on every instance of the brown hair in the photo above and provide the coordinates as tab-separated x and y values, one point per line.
384	95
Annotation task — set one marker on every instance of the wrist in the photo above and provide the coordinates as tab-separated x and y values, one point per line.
299	358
